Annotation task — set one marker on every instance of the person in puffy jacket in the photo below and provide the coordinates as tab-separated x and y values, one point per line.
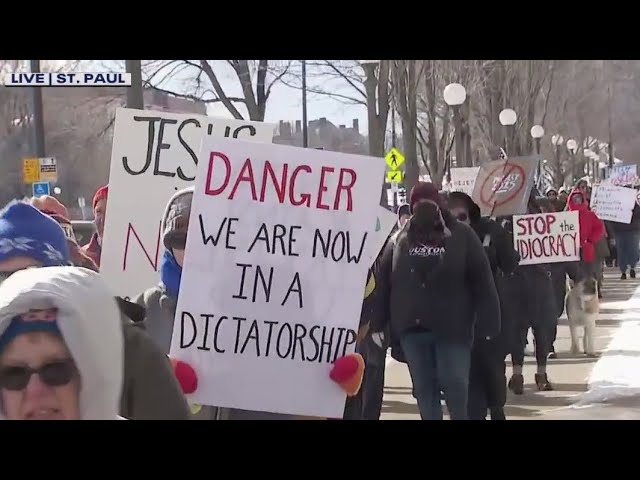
437	292
487	380
592	230
627	237
61	347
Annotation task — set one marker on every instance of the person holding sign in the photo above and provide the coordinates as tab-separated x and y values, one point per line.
436	283
94	248
627	237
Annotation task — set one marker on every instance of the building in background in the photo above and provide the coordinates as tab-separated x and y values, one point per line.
324	134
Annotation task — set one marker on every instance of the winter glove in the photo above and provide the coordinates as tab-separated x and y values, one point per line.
378	338
186	376
348	372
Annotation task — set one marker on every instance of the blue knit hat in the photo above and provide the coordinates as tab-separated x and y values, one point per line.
27	232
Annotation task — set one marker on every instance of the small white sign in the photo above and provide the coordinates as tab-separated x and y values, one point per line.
613	203
547	237
463	179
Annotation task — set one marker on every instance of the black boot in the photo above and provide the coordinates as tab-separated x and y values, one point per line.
497	413
516	384
542	382
632	273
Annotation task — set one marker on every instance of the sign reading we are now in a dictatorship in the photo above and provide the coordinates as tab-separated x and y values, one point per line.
547	237
279	245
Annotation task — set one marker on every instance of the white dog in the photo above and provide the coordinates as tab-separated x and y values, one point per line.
583	307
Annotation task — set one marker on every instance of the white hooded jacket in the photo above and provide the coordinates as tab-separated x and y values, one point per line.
89	320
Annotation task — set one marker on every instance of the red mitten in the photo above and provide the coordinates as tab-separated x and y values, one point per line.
186	376
348	372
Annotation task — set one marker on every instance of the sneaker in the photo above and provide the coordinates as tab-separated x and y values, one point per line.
542	382
623	276
632	273
516	384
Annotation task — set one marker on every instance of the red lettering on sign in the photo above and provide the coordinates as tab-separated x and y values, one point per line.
327	197
153	262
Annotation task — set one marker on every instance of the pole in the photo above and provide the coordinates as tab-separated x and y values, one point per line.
394	139
135	96
457	122
540	166
38	113
305	131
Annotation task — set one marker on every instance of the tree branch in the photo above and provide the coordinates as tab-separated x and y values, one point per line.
220	91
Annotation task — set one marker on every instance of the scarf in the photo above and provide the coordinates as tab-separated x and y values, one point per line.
170	273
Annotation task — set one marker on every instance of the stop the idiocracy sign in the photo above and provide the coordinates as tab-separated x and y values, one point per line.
503	186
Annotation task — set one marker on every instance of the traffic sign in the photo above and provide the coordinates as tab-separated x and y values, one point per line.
48	169
30	170
41	188
394	159
394	176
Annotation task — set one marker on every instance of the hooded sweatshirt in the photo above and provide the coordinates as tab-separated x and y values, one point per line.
89	321
591	227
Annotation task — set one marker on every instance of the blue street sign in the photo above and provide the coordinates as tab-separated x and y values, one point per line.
41	188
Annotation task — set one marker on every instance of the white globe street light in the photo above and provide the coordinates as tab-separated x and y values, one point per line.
572	145
588	152
617	161
57	190
508	117
557	140
537	131
454	94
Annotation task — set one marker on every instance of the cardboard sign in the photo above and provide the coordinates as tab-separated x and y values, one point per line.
503	186
276	265
154	154
547	237
613	203
463	179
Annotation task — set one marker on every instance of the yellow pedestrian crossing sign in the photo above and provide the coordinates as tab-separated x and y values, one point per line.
394	176
394	159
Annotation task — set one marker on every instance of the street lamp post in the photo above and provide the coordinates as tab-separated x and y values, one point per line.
508	118
537	132
454	96
572	147
38	112
305	131
557	140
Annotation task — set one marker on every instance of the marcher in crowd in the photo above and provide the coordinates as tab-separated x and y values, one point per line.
592	231
94	248
627	237
28	239
436	283
563	195
559	273
61	348
487	379
532	299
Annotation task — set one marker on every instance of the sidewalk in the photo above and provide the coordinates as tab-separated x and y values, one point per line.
569	374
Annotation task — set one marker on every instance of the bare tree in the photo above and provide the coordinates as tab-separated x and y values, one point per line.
202	80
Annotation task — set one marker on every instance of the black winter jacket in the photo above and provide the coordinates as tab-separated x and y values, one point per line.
446	300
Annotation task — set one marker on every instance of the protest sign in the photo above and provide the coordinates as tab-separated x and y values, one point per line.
613	203
463	179
623	175
547	237
503	186
154	154
275	269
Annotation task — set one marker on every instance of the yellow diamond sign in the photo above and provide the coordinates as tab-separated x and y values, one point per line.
394	176
394	159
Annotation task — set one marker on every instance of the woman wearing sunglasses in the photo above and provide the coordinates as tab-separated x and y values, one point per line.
61	347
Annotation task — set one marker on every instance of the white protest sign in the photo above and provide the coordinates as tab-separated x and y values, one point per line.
613	203
547	237
623	175
275	269
154	154
463	179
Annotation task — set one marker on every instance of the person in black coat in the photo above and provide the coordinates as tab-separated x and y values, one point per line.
487	380
531	300
437	291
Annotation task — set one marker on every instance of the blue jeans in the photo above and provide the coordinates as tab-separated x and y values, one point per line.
438	365
627	246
